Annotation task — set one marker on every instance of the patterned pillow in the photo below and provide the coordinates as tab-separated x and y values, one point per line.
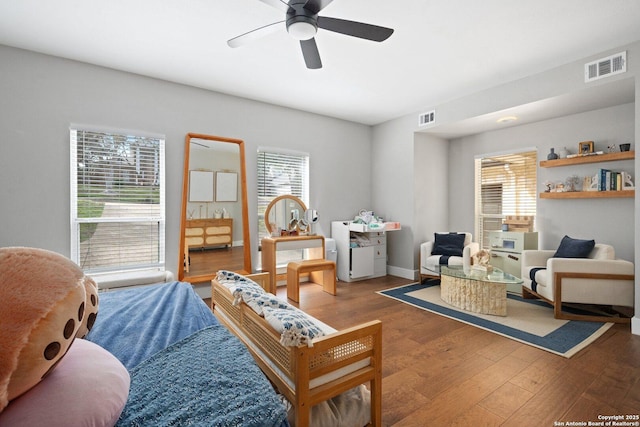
225	277
237	284
260	300
296	327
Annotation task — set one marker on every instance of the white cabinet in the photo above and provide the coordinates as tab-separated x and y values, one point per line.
506	249
361	262
362	251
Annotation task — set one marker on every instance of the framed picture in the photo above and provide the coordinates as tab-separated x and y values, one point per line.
200	186
585	147
226	187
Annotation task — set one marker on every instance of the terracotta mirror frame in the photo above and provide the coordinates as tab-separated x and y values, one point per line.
182	252
283	199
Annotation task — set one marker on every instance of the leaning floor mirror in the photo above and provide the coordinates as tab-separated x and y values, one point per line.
214	226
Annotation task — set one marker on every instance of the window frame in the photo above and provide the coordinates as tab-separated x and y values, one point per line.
158	263
511	202
263	200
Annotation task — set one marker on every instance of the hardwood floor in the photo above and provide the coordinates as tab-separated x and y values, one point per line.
440	372
204	261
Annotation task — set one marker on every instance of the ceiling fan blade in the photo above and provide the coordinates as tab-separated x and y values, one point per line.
311	54
316	6
252	35
278	4
355	29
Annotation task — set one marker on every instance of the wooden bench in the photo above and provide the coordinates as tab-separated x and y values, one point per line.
306	375
321	271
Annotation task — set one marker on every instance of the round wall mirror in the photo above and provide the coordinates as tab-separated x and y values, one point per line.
285	213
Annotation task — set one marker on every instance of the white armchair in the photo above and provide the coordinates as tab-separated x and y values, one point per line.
430	262
599	279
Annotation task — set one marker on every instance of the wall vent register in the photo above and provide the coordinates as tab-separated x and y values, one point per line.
427	118
605	67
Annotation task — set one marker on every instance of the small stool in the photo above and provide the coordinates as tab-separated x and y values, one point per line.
321	271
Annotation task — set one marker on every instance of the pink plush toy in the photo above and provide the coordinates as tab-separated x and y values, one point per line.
46	301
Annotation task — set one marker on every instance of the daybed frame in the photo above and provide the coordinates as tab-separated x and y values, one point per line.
303	364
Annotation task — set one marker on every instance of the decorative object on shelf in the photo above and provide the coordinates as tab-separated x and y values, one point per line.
611	148
563	153
625	147
572	183
627	181
586	184
585	147
552	155
548	185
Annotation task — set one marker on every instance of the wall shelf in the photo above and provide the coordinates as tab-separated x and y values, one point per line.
596	158
580	160
589	194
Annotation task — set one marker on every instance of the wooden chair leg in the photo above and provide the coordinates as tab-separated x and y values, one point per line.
293	284
329	281
557	305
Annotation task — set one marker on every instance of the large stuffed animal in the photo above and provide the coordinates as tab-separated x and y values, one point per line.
46	301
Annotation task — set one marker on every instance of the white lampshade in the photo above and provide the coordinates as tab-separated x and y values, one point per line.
302	30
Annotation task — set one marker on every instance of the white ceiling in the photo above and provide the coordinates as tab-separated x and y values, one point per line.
440	50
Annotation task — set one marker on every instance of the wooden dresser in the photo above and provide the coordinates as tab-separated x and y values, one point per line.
203	233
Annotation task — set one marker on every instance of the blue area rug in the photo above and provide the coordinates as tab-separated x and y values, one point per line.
528	321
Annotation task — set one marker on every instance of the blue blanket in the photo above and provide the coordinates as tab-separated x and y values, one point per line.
208	379
134	324
186	368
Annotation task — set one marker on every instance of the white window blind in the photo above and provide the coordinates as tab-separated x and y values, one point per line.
279	174
117	201
505	185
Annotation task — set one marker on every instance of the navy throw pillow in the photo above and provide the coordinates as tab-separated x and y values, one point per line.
574	248
448	244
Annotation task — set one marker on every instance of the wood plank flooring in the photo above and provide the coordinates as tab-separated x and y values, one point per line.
440	372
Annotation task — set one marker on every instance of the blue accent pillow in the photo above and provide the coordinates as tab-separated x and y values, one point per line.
450	244
574	248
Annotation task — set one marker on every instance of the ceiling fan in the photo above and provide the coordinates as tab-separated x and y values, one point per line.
302	22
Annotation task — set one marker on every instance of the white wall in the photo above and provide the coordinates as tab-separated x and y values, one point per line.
432	188
42	95
392	186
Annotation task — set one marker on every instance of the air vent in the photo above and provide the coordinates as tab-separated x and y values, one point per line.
605	67
427	118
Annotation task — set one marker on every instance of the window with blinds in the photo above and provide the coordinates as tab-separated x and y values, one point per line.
280	173
505	185
117	201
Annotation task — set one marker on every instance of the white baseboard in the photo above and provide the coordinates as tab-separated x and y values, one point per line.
635	325
405	273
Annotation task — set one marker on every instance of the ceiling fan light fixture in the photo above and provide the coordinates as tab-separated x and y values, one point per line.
302	30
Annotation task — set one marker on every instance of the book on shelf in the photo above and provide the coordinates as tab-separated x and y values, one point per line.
608	180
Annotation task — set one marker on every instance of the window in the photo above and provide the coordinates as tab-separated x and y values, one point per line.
280	173
505	186
117	201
